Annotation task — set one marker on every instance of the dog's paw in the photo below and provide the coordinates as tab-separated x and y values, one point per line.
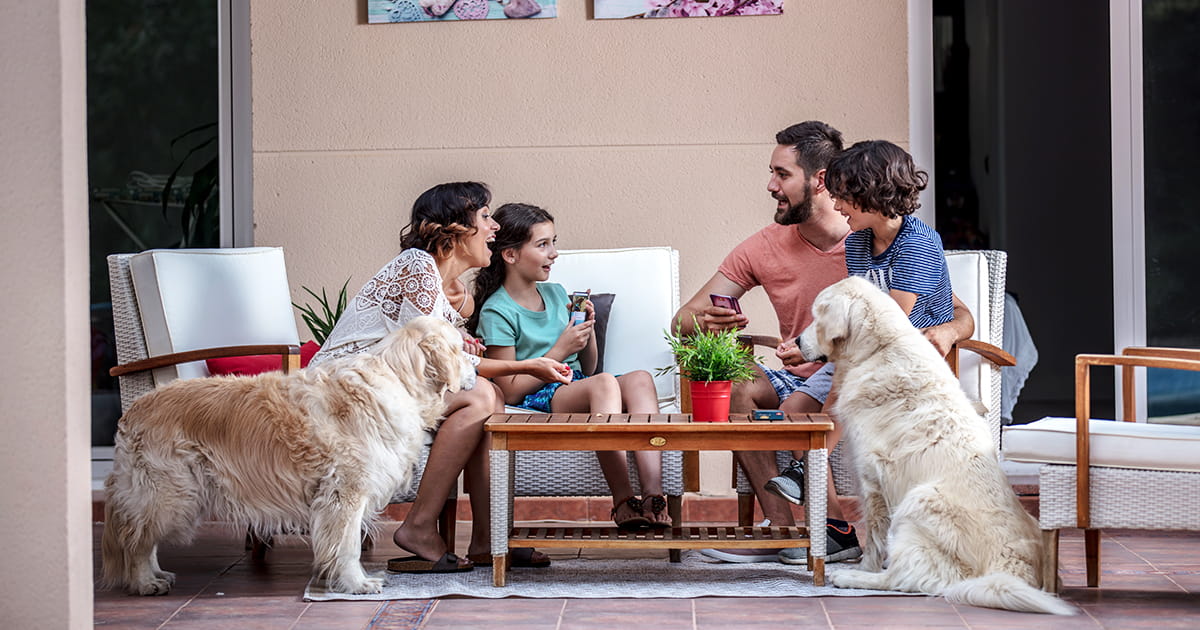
165	575
853	578
366	586
155	586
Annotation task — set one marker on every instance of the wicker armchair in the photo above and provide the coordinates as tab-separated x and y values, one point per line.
173	309
978	278
1102	474
644	282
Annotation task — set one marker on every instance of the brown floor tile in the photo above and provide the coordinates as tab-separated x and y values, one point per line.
1146	581
337	615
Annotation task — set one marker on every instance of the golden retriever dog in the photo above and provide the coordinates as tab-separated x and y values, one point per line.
939	514
319	451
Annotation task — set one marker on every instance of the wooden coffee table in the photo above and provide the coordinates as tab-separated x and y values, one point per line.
659	432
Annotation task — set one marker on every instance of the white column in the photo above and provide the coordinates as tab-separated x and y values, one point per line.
45	507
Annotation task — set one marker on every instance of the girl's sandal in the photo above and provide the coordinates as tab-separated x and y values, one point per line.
628	514
655	511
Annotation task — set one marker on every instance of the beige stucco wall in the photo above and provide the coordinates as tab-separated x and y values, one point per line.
45	513
632	132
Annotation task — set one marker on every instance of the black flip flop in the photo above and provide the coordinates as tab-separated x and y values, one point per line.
448	563
516	559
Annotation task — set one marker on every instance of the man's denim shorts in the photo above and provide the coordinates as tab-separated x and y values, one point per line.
786	383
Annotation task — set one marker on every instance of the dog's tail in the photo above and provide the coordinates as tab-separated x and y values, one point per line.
1001	590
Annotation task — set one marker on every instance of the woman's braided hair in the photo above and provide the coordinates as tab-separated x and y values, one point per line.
443	215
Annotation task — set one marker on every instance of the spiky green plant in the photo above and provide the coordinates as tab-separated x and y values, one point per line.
322	318
711	356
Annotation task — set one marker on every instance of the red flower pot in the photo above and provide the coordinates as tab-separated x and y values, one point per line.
710	401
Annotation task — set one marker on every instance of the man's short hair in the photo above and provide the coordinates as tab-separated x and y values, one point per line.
878	176
815	142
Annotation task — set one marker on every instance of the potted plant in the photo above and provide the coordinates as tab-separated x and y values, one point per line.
322	318
712	362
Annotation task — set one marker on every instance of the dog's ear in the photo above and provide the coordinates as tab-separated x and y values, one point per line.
404	355
834	318
443	366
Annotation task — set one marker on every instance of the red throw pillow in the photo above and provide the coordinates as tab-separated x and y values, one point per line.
258	363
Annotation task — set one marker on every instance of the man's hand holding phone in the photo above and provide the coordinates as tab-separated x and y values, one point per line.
724	313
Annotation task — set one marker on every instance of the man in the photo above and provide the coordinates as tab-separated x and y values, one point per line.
793	259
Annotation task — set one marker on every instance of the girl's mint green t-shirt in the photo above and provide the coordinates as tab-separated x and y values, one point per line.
503	322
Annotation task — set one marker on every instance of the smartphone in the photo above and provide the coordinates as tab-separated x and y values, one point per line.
768	415
726	301
578	300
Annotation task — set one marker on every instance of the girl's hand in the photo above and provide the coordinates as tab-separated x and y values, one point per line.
548	370
575	338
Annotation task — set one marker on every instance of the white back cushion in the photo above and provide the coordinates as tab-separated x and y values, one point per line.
969	278
645	281
191	299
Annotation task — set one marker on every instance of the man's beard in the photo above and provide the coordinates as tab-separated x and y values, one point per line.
798	212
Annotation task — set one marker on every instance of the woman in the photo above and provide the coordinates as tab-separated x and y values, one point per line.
447	235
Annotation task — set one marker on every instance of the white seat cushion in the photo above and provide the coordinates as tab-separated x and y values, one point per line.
1113	444
191	299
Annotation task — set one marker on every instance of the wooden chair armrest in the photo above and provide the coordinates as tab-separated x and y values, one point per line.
984	349
759	340
988	351
1167	353
289	357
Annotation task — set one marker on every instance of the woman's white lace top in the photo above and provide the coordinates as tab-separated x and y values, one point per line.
409	286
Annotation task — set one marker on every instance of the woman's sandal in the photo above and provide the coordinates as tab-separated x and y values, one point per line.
518	558
655	511
628	514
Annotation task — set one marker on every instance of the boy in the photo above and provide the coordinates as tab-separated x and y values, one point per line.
876	187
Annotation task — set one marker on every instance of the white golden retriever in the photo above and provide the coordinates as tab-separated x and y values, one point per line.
938	510
320	451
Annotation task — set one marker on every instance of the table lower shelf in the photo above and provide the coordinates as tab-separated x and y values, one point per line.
687	537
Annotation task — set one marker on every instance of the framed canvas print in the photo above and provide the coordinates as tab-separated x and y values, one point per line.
382	11
613	9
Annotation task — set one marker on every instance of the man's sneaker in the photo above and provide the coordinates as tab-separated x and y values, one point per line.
840	544
790	483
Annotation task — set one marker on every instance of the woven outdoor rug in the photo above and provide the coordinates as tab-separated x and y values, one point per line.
583	578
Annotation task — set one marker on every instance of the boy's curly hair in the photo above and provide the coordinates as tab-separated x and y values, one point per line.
878	176
443	215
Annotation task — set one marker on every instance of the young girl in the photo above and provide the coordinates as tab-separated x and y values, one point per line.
523	317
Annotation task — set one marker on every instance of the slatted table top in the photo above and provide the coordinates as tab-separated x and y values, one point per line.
667	423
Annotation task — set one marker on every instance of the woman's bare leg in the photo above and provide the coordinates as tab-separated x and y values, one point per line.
478	477
458	439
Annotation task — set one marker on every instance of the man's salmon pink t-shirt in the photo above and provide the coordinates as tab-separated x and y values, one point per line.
791	270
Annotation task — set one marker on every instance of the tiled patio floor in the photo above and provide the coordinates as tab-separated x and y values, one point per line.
1149	580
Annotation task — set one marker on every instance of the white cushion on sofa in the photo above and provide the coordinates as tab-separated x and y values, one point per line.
191	299
1113	444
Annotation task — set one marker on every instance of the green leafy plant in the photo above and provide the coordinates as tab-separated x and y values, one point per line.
322	318
711	356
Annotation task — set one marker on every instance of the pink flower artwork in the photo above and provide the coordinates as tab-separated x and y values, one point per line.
685	8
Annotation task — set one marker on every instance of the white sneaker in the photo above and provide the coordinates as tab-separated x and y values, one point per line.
725	556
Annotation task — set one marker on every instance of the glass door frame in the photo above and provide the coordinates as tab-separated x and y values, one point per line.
234	124
1128	186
